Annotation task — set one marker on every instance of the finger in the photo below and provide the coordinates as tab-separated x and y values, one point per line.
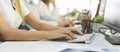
71	22
68	37
77	30
68	24
71	35
68	33
80	32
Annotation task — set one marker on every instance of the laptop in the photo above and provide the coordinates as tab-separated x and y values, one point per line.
86	38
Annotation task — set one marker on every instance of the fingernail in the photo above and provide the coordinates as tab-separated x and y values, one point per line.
74	38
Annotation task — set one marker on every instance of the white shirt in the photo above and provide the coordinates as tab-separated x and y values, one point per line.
32	7
11	17
35	11
46	14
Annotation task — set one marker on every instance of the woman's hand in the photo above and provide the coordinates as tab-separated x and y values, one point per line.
65	23
76	30
61	32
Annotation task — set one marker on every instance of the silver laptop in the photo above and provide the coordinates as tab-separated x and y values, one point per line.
86	38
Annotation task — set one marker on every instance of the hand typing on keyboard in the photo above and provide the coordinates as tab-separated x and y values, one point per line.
69	33
76	31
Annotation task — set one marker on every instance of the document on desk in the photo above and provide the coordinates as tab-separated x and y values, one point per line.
90	50
77	50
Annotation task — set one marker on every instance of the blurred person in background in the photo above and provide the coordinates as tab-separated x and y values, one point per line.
42	11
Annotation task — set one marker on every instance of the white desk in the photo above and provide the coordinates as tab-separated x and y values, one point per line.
51	46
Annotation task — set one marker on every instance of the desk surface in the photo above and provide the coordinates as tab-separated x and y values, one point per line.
52	46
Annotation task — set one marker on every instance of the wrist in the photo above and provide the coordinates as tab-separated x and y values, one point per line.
45	35
60	24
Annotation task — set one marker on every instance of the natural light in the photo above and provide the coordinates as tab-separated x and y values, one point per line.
66	6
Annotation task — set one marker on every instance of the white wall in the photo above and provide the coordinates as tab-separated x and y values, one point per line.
112	13
66	6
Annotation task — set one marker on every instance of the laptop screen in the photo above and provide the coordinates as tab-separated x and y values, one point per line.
112	14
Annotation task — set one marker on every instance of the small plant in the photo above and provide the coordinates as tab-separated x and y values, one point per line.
98	19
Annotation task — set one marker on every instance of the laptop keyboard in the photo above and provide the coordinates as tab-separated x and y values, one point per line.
87	38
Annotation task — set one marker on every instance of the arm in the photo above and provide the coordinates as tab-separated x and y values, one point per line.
17	34
37	24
